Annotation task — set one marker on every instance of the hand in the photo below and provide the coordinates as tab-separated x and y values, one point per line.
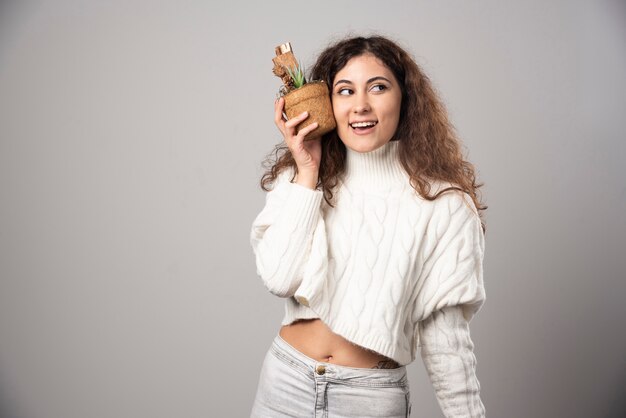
307	154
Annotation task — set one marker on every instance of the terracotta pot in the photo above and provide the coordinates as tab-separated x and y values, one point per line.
313	97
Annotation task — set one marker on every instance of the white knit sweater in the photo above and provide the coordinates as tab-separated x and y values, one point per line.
385	268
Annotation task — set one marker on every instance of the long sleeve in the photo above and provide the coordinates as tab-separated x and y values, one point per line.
452	292
282	234
447	352
452	272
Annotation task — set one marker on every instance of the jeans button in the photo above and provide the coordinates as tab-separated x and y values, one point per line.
320	369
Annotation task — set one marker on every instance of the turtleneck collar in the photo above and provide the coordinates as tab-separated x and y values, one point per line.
378	169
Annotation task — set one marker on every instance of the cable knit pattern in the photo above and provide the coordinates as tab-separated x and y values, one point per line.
384	268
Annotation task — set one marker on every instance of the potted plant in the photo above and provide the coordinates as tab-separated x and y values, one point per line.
301	95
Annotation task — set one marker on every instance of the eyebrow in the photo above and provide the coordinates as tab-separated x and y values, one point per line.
379	77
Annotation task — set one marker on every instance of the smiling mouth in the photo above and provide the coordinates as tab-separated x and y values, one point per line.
361	126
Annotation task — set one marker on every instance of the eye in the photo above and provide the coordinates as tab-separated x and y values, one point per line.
344	91
379	87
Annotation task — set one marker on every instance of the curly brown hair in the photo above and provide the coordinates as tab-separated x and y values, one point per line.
429	149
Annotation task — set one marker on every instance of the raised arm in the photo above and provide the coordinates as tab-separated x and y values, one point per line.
291	223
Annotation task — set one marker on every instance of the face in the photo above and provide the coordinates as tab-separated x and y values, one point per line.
366	100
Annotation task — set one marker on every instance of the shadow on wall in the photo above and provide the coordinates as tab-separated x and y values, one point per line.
617	400
7	404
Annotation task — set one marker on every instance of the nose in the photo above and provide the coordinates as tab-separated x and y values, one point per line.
361	103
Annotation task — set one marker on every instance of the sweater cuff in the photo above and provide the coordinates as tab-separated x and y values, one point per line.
302	207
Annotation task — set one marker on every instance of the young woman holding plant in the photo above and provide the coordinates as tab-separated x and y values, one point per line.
373	236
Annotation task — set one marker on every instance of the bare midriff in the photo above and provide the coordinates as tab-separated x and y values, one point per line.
314	339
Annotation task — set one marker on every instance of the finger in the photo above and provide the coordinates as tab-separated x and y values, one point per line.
278	113
309	128
295	121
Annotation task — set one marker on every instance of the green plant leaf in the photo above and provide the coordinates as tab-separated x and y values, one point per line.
297	75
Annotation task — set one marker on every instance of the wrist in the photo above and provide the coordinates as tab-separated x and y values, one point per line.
306	180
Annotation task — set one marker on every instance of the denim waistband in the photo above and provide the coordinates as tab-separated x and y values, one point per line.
354	375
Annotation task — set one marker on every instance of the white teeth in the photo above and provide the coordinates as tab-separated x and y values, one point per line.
362	124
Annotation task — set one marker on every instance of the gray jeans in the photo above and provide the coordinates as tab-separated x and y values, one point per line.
292	384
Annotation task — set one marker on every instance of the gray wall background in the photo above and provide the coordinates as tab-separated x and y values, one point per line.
131	136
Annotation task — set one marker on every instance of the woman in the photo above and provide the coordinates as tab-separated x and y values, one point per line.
373	236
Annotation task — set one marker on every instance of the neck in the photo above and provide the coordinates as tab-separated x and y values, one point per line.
379	168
